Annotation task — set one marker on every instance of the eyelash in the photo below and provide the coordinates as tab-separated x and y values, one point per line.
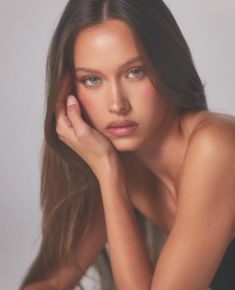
90	77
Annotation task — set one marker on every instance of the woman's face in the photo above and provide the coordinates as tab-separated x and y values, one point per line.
109	90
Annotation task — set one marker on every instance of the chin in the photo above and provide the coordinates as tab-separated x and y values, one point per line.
124	145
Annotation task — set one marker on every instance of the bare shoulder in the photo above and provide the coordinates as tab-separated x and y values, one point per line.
213	128
204	223
210	159
210	155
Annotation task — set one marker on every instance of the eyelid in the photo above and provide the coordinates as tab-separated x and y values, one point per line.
136	68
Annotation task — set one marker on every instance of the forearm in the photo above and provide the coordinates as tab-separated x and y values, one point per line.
131	266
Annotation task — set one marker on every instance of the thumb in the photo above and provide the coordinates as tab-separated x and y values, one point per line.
71	101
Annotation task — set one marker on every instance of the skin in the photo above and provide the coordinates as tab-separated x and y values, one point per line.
183	166
107	93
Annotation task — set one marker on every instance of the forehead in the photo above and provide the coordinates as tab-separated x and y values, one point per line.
112	39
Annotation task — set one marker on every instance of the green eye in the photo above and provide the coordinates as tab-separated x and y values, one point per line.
92	78
138	72
92	81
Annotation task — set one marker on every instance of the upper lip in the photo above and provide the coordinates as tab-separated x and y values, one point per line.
123	123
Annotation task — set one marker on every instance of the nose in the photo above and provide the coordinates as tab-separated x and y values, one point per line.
119	104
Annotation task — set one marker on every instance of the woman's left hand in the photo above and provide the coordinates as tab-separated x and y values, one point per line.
91	145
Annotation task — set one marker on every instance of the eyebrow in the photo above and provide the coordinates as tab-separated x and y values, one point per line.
127	63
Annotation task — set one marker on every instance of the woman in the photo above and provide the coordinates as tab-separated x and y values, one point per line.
133	143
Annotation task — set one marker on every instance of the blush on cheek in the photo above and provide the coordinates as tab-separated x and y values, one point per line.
84	103
147	90
83	100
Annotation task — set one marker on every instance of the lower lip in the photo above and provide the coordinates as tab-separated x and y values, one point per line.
122	131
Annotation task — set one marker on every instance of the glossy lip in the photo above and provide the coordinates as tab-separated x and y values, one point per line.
120	124
122	131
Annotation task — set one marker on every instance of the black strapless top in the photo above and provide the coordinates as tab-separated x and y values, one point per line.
224	278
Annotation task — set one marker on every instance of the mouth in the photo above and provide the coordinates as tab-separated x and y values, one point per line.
122	130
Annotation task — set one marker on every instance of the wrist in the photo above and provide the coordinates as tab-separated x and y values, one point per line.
112	172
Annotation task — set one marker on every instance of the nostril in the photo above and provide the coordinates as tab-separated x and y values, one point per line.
120	107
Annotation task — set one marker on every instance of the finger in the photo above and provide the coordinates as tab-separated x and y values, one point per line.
74	114
67	134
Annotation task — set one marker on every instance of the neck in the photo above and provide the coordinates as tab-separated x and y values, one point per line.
163	153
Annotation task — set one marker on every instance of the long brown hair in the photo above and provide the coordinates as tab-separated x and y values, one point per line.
68	186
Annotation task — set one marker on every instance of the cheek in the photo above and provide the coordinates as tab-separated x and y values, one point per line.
149	104
84	99
148	88
85	104
148	96
90	107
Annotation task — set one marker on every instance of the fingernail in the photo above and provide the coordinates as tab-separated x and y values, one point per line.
71	101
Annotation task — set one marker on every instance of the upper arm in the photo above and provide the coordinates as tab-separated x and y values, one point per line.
87	250
205	218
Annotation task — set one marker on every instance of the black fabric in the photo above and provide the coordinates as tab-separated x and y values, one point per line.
224	278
